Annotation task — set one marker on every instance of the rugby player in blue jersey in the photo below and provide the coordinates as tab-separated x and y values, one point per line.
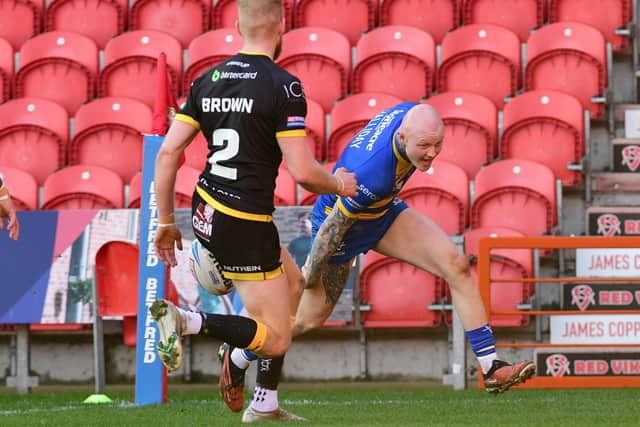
383	156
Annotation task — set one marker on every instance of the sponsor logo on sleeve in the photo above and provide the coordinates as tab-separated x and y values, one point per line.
295	121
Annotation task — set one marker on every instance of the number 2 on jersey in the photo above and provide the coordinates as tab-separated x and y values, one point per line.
231	139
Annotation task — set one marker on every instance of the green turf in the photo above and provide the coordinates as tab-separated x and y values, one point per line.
345	406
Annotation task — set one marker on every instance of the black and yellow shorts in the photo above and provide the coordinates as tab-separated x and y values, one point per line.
246	249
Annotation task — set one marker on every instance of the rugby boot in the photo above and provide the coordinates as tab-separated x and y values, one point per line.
502	375
170	325
231	389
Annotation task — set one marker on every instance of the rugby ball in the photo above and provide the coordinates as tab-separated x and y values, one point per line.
207	270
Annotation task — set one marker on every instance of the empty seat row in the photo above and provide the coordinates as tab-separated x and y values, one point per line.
401	61
397	294
184	20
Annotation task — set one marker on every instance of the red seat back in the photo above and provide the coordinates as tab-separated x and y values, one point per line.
350	115
60	66
99	20
321	59
348	17
399	295
515	193
442	194
83	187
557	53
20	20
605	15
210	49
480	58
109	134
184	20
23	187
130	64
436	17
6	69
520	16
33	136
470	129
388	52
546	126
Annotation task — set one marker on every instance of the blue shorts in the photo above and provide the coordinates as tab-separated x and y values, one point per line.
363	234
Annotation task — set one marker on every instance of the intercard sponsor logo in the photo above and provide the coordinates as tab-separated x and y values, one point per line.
576	364
203	221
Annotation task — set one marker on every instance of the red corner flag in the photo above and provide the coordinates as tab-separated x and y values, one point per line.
165	105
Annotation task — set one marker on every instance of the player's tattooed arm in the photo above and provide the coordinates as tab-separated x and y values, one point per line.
327	241
334	278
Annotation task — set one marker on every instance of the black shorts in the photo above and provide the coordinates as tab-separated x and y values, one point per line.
247	250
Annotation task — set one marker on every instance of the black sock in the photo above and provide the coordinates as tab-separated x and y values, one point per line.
269	370
238	331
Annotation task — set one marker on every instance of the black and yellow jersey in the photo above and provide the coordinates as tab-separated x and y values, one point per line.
241	106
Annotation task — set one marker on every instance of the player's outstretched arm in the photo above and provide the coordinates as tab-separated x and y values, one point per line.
178	137
306	171
327	241
7	210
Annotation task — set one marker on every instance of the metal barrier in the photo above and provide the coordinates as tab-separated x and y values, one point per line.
558	242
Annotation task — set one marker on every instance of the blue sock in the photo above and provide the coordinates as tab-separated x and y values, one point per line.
249	355
483	345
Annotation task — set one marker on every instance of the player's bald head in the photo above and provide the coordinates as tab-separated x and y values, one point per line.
259	18
423	120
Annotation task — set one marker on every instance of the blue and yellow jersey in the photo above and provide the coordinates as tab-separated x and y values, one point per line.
380	168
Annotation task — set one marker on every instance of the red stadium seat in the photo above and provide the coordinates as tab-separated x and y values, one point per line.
316	129
186	181
23	187
515	193
546	126
20	20
207	50
480	58
348	17
99	20
520	16
33	136
395	59
471	129
83	187
130	64
286	193
117	270
108	133
442	194
184	19
399	295
60	66
505	264
436	17
557	53
605	15
6	70
350	115
135	191
321	59
307	198
225	14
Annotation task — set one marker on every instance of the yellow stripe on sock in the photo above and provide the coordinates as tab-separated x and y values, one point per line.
259	339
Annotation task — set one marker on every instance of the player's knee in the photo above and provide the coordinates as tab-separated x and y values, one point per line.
457	267
279	344
306	324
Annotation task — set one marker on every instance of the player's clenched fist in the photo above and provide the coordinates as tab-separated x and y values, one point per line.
347	183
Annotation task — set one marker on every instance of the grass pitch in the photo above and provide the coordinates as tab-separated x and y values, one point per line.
363	404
